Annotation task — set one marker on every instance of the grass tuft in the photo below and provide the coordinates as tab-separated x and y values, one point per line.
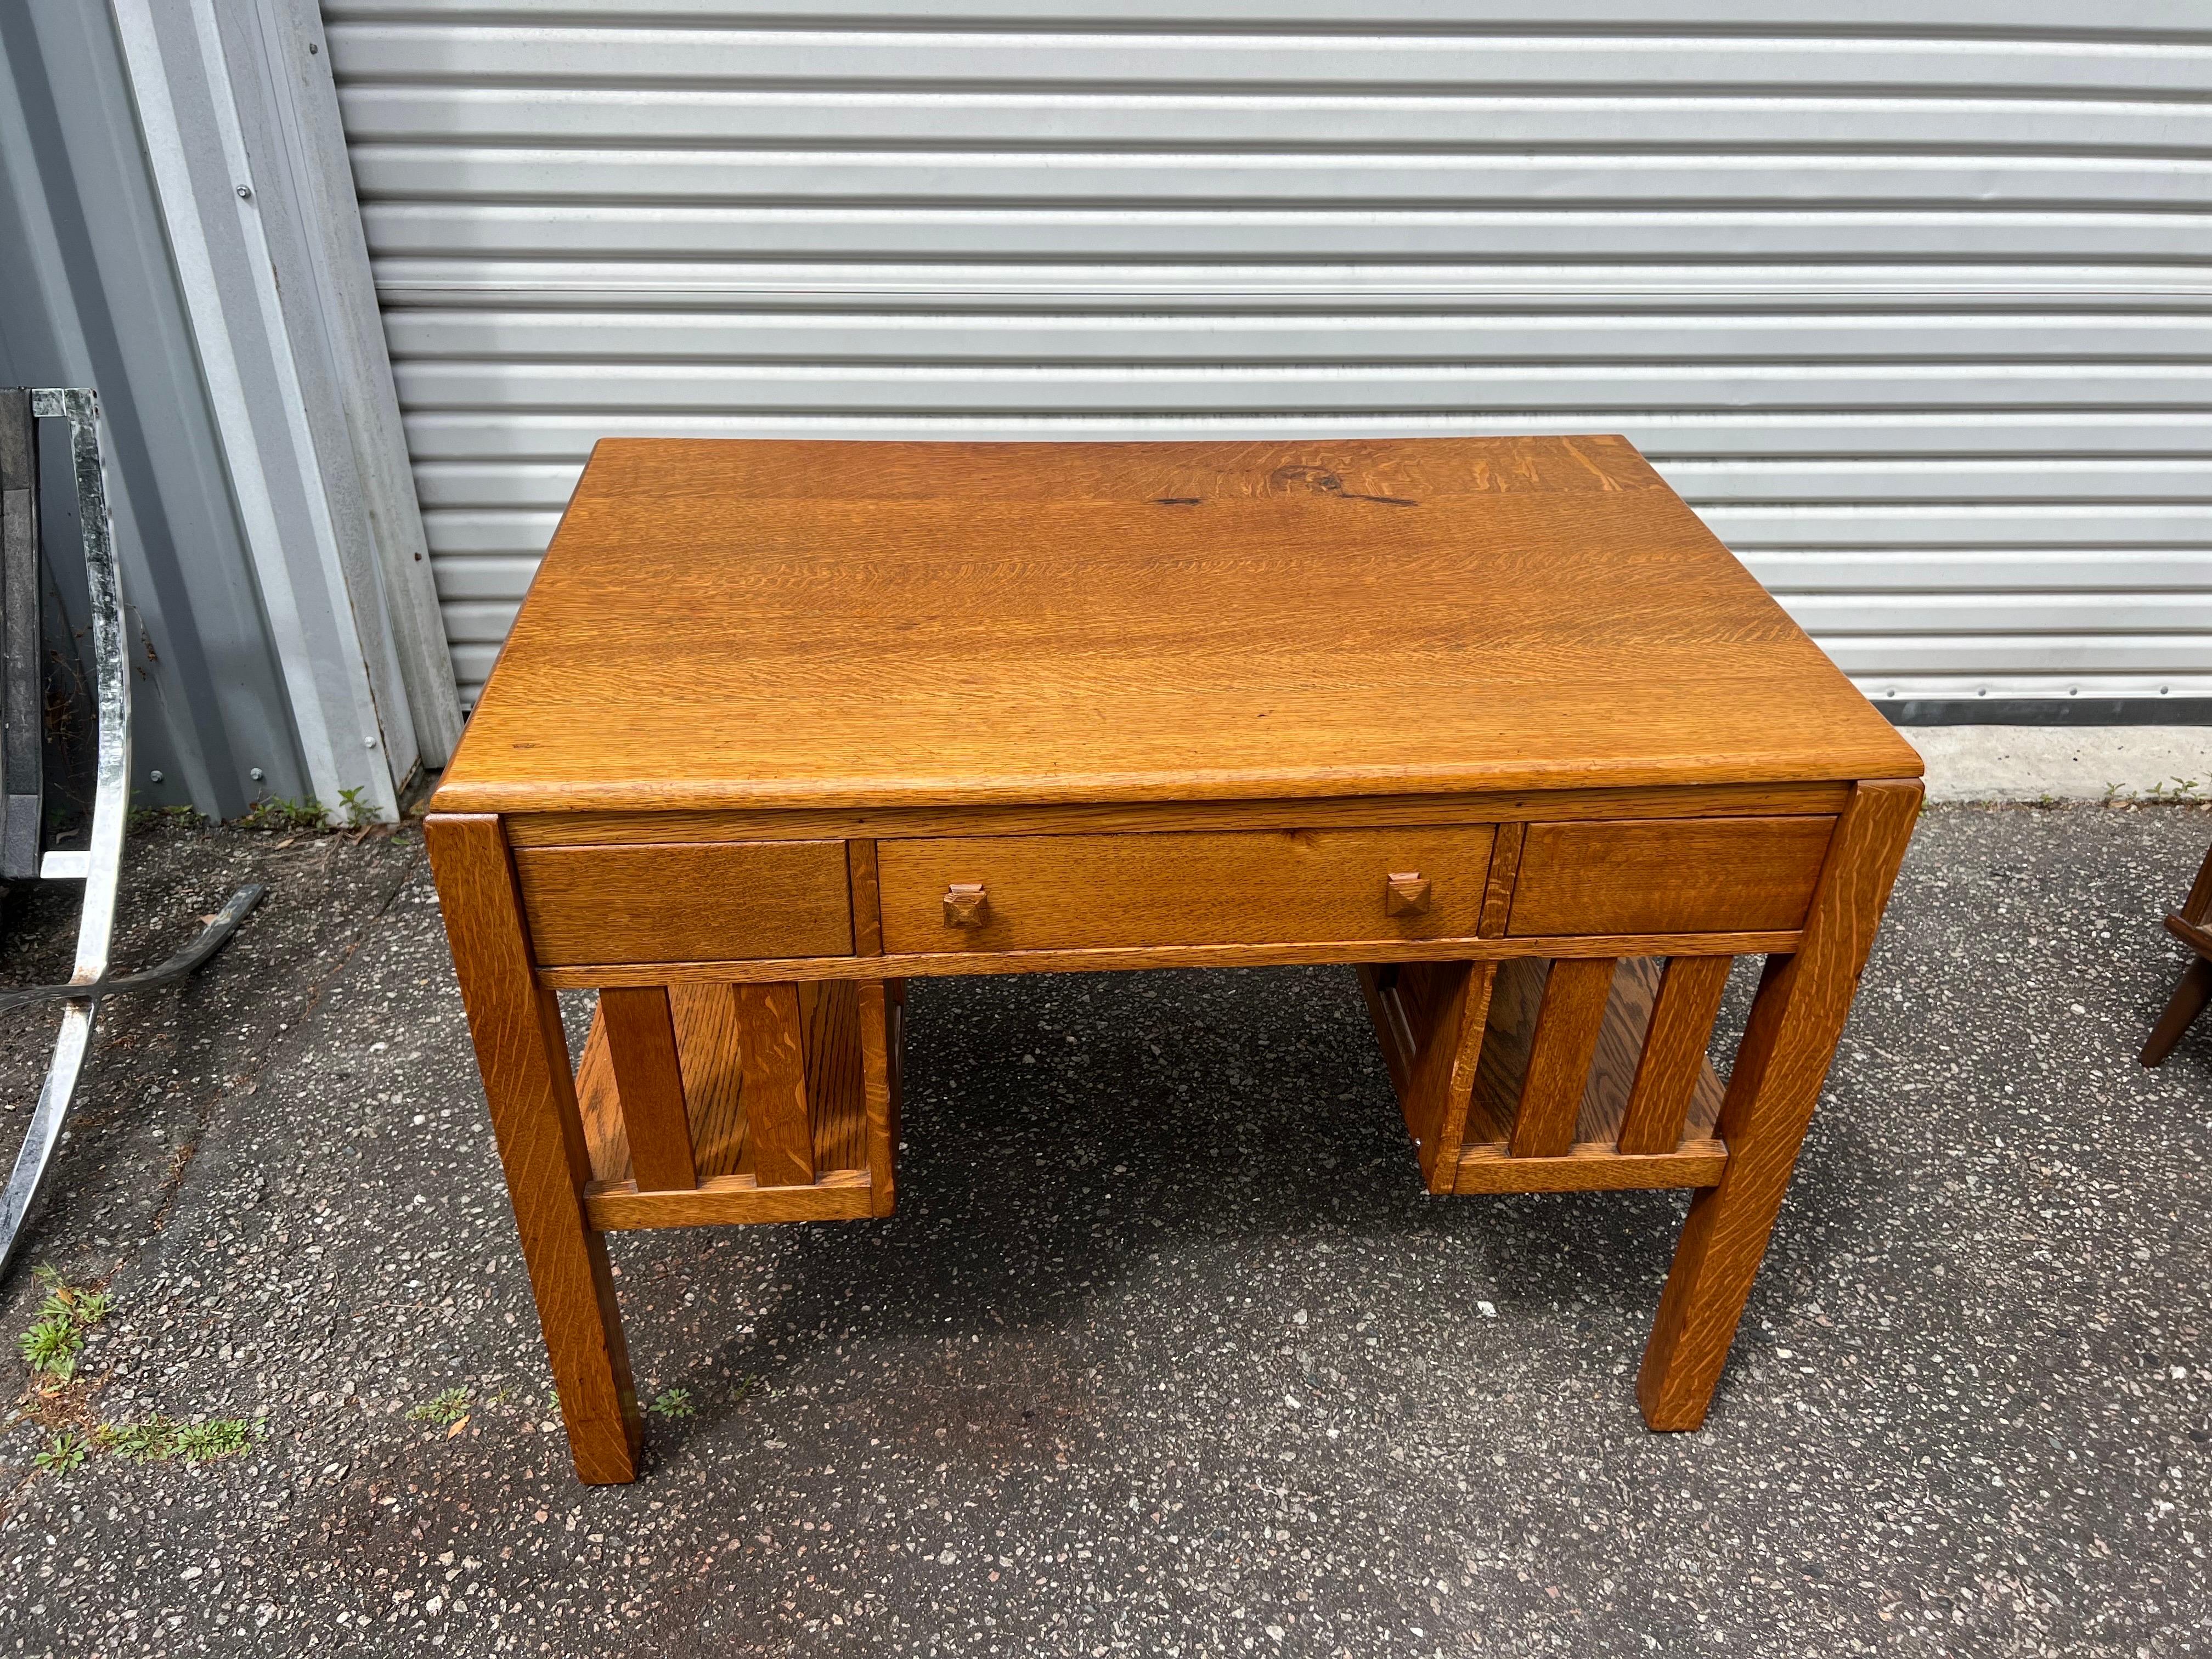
672	1402
63	1453
359	813
145	820
153	1440
56	1337
444	1409
274	813
222	1437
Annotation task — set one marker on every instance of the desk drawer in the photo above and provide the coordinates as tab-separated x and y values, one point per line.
705	901
1668	876
1233	887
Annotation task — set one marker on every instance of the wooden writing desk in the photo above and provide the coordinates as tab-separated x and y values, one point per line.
1497	720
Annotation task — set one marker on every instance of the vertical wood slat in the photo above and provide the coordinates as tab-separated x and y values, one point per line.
1380	987
1674	1053
1430	1019
601	1108
881	1006
881	1010
1803	1001
523	1055
1567	1028
777	1122
867	898
1497	890
829	1013
713	1076
1444	1073
649	1082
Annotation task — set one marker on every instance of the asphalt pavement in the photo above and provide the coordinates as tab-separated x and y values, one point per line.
1165	1351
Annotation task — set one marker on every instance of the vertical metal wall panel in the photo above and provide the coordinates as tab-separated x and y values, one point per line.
88	297
1911	299
264	351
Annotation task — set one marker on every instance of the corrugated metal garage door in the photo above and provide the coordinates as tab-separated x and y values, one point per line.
1910	297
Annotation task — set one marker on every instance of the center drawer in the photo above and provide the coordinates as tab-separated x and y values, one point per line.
1232	887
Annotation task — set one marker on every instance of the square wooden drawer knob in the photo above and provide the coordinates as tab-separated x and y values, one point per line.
1407	895
966	905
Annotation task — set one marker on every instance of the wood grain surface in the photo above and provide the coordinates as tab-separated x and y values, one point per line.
1685	876
606	1142
649	1078
729	1200
1429	1018
734	624
1796	1020
1117	958
1244	886
787	898
1560	1054
713	1076
1589	1167
883	1017
524	1058
779	1123
905	823
830	1014
1673	1061
1504	872
1487	1160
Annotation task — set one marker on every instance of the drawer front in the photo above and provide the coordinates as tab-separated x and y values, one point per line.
1668	876
1233	887
709	902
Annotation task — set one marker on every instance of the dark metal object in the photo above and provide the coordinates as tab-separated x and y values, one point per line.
99	865
2046	711
211	938
23	700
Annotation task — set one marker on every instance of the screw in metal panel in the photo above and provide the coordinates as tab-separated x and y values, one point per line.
156	774
246	192
368	743
257	774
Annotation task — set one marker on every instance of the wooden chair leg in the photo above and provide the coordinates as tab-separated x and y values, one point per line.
524	1058
1796	1024
2189	999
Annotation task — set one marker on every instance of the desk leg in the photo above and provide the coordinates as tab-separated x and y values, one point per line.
1796	1024
524	1057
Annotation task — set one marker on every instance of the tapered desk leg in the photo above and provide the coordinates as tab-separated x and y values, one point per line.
2190	998
1796	1024
524	1057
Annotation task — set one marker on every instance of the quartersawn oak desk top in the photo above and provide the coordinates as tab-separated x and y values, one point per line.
723	624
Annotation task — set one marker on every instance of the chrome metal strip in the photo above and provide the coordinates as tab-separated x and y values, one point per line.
110	806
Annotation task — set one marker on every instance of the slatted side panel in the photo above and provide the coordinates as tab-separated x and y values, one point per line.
835	1088
1910	299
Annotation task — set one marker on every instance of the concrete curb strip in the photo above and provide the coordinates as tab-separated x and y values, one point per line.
2057	762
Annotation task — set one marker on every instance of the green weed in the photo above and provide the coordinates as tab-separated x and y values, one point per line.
222	1437
63	1453
672	1402
274	813
152	1441
444	1409
359	813
145	820
55	1338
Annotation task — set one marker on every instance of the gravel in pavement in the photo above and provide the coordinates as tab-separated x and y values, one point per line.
1165	1351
